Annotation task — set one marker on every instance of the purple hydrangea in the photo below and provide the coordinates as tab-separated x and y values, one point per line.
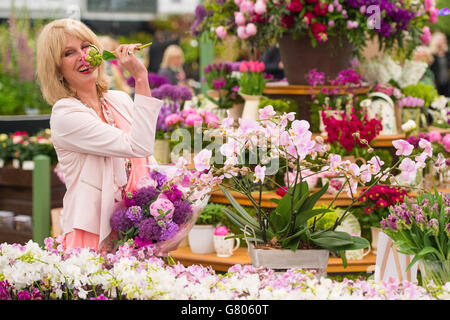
134	214
183	210
146	195
120	221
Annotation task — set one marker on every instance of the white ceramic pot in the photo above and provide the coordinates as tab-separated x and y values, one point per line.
201	239
251	106
28	165
225	247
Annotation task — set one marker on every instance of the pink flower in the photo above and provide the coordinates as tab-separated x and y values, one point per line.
212	119
428	4
260	7
162	208
409	170
251	29
186	112
173	119
202	160
260	173
404	148
446	142
266	113
434	12
426	35
426	146
241	32
239	18
221	32
434	136
221	231
243	67
193	119
247	6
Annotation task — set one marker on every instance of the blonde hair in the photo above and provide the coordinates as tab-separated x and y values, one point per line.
50	45
438	39
172	51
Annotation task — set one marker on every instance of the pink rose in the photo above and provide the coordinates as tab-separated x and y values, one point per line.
239	18
426	35
241	32
434	15
251	29
212	119
260	7
173	119
446	142
187	112
162	208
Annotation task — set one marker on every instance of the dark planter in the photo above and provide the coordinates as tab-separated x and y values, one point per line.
32	124
299	57
16	195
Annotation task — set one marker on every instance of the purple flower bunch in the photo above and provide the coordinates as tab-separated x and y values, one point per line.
200	15
219	77
421	224
151	215
155	80
411	102
347	76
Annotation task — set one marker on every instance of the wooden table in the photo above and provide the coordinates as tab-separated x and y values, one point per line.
185	256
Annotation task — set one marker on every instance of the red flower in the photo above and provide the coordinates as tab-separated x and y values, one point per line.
321	9
294	6
368	210
287	21
319	31
281	191
308	17
311	1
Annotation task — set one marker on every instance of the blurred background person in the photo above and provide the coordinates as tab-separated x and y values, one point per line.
440	65
161	41
116	76
272	60
172	65
423	54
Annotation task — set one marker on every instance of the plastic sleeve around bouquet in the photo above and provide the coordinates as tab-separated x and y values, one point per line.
162	248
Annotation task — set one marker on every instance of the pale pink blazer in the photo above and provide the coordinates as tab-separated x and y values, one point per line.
91	156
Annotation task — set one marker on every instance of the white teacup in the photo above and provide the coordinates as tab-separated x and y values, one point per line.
225	247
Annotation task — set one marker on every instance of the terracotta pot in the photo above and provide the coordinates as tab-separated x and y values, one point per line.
299	57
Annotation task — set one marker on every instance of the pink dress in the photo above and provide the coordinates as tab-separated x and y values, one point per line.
136	169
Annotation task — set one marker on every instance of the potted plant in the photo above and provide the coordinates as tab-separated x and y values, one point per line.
252	83
422	228
374	206
322	33
223	84
201	236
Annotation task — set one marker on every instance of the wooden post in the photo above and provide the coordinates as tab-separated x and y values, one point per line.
206	57
41	199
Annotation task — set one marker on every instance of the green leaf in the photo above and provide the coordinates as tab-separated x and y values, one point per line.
237	206
108	56
240	221
274	200
304	216
279	222
343	258
331	239
310	203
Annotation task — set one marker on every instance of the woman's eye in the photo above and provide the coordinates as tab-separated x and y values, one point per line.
68	53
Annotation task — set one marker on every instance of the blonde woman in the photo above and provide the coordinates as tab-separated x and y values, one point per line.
172	65
102	137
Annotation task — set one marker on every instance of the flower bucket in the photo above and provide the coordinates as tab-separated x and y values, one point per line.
161	151
436	271
283	259
236	111
411	114
201	239
299	57
251	106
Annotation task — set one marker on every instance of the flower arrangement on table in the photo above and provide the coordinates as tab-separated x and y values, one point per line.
22	147
136	274
253	152
190	127
261	22
422	228
221	78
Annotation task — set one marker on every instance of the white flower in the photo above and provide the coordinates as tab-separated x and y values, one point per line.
408	126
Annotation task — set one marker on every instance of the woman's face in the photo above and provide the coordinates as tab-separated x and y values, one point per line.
76	75
176	61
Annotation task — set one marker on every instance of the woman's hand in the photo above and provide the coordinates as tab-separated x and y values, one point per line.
128	61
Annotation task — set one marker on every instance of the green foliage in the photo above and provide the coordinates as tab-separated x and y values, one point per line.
421	90
443	23
211	214
280	105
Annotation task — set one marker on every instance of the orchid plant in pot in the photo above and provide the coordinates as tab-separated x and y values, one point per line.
256	149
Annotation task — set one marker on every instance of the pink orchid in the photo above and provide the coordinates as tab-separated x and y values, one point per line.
260	173
426	146
202	161
266	113
375	165
230	148
404	148
409	170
